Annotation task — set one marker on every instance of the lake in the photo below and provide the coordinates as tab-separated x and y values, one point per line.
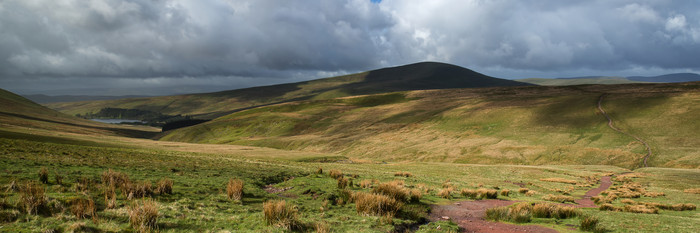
115	121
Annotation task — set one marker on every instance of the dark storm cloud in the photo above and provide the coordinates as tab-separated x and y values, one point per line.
232	44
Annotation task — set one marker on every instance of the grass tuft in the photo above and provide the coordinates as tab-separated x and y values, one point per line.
376	204
487	193
44	175
588	223
32	197
335	174
83	207
280	214
404	174
559	198
393	190
234	189
143	215
343	182
164	186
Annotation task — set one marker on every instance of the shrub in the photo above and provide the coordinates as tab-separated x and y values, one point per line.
32	197
164	186
588	223
559	198
376	204
335	174
143	216
234	189
278	213
83	207
44	175
505	192
487	193
393	190
468	193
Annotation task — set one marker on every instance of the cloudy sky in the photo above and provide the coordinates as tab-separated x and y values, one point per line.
156	47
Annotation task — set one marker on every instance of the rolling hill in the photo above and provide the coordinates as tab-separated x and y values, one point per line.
668	78
419	76
513	125
21	115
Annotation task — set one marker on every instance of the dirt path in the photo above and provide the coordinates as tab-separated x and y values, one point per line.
469	215
610	124
586	201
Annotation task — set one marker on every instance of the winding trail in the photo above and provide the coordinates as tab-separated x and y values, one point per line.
610	124
586	202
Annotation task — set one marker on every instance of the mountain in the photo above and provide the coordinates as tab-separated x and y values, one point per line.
508	125
668	78
44	99
19	114
418	76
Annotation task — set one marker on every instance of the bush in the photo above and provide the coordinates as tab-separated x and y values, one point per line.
376	204
44	175
164	186
143	216
234	189
335	174
83	207
393	190
278	213
32	197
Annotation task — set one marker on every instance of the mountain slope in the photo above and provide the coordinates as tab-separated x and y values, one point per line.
668	78
419	76
20	114
577	81
514	125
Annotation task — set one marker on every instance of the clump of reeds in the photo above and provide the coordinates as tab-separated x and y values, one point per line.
280	214
234	189
143	215
83	207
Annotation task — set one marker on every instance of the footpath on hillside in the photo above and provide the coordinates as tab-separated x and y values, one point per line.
610	124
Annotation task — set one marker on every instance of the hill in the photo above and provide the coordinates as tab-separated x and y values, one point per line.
45	99
19	115
514	125
668	78
419	76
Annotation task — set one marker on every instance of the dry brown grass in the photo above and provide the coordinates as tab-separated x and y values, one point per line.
559	180
414	195
44	175
531	193
32	197
143	215
628	201
549	210
404	174
523	190
234	189
559	198
693	191
609	207
505	192
486	193
393	190
654	194
640	209
164	186
280	214
674	207
376	204
110	197
343	182
83	207
468	193
589	223
137	189
366	184
322	227
335	174
445	193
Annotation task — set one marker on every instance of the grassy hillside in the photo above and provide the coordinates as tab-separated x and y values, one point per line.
419	76
518	125
20	113
577	81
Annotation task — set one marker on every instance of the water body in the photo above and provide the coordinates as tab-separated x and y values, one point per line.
115	121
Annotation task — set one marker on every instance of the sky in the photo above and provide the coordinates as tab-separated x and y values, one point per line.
162	47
